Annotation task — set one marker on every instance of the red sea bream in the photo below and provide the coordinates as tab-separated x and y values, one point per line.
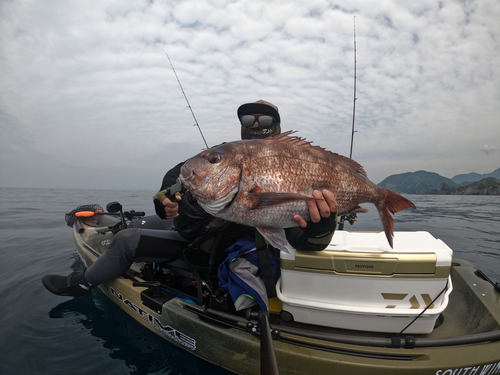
265	182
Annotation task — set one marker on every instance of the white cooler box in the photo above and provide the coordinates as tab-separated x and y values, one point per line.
358	282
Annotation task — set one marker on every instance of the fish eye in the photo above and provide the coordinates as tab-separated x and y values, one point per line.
214	157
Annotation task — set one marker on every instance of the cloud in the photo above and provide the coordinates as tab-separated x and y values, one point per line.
487	149
89	84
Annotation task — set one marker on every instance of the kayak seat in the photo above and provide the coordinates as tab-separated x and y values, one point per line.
182	264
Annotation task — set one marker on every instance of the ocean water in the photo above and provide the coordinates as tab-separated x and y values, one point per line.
45	334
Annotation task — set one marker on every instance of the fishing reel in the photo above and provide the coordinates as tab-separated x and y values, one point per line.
351	218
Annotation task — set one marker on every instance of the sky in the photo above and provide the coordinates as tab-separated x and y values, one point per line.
88	98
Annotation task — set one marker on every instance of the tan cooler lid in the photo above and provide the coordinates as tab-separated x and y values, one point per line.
415	254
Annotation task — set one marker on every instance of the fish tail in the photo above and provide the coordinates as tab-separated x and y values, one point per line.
390	204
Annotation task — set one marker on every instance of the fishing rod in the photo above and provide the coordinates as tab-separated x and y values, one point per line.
351	218
354	100
187	101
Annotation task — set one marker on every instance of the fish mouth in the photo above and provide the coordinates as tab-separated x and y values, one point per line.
188	177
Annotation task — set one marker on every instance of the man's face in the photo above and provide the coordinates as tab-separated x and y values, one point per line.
256	131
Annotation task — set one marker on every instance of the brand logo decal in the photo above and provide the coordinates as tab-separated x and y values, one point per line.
363	266
427	300
487	369
167	330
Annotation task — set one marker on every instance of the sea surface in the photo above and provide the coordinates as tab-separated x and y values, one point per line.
41	333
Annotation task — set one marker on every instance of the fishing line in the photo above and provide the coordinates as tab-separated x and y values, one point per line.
187	101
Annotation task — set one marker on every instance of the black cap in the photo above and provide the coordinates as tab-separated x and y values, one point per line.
260	106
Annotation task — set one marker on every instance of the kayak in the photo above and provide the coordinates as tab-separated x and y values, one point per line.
357	307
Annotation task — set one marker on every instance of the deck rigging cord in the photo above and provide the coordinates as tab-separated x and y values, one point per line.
187	101
426	308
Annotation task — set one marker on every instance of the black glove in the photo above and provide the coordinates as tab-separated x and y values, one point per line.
161	196
321	233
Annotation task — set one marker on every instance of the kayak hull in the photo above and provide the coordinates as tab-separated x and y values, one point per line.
227	341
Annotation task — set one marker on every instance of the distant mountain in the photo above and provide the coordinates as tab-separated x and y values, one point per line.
468	178
423	182
486	186
420	182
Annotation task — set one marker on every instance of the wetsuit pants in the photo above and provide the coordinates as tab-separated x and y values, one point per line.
148	239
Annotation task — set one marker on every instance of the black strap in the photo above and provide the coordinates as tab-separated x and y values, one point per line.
214	248
199	284
265	265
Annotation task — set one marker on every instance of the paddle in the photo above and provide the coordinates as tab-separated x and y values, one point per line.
268	362
92	213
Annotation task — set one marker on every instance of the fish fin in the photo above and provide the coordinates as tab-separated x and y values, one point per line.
359	210
286	137
391	203
275	236
260	200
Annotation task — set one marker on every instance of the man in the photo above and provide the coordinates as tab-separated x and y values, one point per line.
153	240
258	120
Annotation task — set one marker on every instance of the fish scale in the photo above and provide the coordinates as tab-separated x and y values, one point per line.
265	182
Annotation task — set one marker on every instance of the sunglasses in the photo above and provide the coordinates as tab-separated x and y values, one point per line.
264	121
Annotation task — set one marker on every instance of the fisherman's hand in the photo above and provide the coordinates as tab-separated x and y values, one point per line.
323	213
172	208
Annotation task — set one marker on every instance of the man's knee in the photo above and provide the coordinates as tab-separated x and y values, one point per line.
124	240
